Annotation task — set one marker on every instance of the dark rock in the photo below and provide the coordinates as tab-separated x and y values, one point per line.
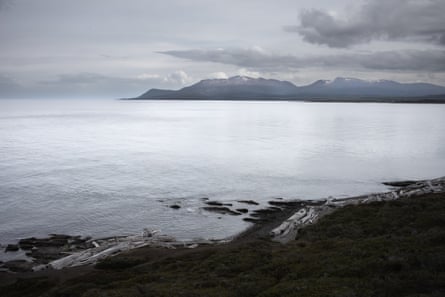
252	220
404	183
12	248
221	210
294	203
214	203
266	211
42	242
175	206
315	202
45	250
18	266
60	236
217	203
76	241
251	202
26	246
54	242
45	255
27	243
242	210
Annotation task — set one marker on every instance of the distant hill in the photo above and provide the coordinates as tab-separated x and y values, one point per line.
339	89
237	87
380	88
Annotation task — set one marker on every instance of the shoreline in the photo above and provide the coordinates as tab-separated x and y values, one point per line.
381	248
314	100
280	222
310	214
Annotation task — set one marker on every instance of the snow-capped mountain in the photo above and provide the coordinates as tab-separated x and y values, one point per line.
237	87
363	88
247	88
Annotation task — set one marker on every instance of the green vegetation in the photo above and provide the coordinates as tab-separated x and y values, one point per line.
392	248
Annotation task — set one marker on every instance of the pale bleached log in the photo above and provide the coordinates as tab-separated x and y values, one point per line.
288	230
111	246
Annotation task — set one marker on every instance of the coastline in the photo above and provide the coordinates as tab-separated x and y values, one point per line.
370	247
281	222
389	100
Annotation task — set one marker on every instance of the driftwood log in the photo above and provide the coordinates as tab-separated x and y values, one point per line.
309	214
107	247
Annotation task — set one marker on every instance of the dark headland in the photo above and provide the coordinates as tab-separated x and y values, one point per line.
389	244
242	88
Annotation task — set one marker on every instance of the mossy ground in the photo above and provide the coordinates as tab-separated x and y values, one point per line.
382	249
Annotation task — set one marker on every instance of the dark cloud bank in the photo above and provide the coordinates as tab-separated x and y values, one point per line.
421	20
415	21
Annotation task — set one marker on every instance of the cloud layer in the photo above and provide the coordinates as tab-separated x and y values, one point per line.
414	20
408	60
111	48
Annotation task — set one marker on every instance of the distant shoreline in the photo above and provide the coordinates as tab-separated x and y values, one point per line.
415	100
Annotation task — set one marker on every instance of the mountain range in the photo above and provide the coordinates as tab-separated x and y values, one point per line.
339	89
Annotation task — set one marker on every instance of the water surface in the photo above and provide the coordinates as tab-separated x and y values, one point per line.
113	167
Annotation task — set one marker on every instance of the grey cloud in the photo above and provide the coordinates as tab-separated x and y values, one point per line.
408	60
6	81
421	20
4	4
8	86
253	58
94	79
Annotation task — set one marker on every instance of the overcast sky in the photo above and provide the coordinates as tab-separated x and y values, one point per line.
117	48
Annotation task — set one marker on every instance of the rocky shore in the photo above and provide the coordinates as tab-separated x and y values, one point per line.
311	213
62	251
281	222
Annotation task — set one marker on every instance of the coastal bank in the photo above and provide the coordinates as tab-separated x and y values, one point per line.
389	244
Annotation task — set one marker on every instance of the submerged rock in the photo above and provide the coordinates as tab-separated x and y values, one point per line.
255	221
214	203
251	202
45	250
265	212
221	210
61	236
293	203
18	266
242	210
400	183
11	248
217	203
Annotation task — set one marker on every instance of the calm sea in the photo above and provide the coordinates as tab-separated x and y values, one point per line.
103	168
